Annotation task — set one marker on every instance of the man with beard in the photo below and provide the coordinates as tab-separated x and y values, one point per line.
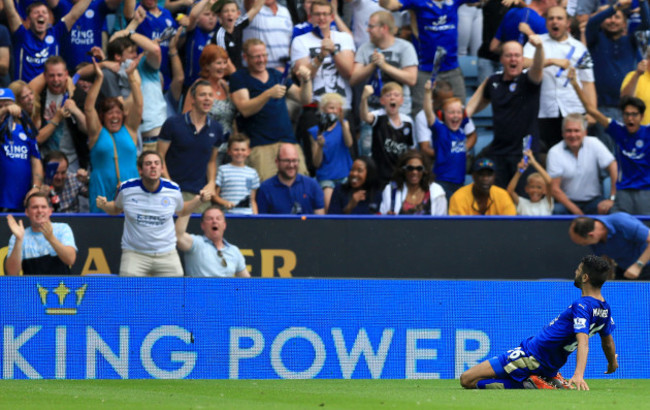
614	52
620	237
34	45
70	188
190	143
557	99
514	95
482	197
149	204
534	364
289	192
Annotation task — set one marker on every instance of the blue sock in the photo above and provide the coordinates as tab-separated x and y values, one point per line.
499	384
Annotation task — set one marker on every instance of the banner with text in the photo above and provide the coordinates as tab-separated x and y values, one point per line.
106	327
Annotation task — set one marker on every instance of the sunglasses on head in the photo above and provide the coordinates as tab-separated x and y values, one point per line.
409	168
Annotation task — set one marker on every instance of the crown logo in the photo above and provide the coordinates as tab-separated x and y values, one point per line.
62	293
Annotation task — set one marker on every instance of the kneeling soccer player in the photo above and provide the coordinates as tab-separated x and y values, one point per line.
535	363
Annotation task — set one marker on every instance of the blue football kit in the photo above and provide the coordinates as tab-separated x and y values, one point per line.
547	352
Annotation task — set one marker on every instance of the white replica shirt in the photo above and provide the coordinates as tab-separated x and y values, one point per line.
555	97
328	79
149	216
274	30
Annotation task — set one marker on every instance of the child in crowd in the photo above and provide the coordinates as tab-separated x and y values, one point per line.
236	182
230	33
448	142
538	188
392	131
331	140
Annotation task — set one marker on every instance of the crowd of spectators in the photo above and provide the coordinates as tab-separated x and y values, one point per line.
355	107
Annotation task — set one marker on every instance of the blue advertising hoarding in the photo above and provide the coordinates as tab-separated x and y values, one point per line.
110	327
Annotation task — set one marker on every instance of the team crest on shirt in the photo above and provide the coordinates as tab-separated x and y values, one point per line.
512	87
168	22
579	323
406	131
22	136
639	143
89	14
49	39
165	201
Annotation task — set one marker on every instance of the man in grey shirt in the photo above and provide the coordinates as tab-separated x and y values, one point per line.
388	58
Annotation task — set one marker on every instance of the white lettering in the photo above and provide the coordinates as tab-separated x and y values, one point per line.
295	333
236	353
61	350
95	343
413	353
11	355
348	362
187	358
468	358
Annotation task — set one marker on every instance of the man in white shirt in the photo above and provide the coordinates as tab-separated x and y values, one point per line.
557	98
575	165
149	204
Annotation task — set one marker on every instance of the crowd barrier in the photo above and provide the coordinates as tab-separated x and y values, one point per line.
363	247
90	327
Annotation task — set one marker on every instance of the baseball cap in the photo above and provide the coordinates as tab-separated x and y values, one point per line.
7	94
483	163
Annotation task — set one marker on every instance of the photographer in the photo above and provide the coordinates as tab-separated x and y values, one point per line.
20	165
331	140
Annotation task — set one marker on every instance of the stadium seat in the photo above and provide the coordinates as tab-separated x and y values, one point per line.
483	140
469	66
483	119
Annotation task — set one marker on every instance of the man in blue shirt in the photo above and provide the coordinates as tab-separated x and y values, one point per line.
437	25
632	155
190	142
618	236
289	192
20	159
86	33
156	25
259	94
33	46
535	362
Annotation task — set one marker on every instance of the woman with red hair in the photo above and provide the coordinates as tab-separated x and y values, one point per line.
214	67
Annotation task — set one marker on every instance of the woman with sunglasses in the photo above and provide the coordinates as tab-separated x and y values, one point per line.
412	190
361	194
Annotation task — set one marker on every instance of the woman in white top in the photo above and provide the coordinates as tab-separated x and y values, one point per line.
412	190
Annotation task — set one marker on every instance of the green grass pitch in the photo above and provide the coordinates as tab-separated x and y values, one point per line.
310	394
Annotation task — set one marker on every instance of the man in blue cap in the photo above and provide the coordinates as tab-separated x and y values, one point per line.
482	197
20	160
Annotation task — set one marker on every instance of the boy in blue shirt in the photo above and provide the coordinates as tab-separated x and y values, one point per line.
534	364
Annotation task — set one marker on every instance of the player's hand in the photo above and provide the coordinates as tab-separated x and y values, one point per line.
16	228
633	272
579	382
367	91
277	91
522	165
611	367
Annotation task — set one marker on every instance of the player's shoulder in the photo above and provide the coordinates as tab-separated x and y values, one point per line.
170	185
